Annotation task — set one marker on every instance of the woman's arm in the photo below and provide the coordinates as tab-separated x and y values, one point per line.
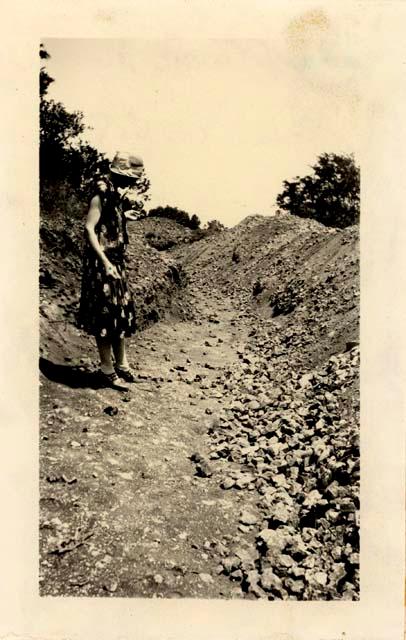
92	219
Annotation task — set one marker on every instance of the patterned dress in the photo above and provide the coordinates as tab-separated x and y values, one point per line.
106	306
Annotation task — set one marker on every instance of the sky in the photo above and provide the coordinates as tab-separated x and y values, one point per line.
220	123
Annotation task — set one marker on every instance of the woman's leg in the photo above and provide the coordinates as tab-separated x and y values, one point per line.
106	362
120	353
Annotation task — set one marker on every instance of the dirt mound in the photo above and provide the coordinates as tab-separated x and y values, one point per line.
302	274
293	438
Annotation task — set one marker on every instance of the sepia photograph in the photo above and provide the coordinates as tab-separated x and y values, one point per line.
202	319
199	316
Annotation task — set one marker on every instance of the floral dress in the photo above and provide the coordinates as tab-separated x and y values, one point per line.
106	306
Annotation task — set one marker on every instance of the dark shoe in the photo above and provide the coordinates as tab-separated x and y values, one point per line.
125	374
112	381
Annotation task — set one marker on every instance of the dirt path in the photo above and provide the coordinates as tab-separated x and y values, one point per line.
124	509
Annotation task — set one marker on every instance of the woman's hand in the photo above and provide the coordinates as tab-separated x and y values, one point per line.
130	214
111	270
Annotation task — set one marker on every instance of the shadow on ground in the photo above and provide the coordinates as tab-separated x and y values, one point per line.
69	375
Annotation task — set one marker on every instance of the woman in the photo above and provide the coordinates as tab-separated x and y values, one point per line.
106	307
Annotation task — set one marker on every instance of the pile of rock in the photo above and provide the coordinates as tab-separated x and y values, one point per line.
297	444
288	437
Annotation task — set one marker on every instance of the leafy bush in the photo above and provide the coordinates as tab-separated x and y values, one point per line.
173	213
331	195
214	226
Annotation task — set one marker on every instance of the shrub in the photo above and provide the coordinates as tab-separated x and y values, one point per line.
179	216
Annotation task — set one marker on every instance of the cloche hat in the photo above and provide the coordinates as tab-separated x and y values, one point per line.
126	164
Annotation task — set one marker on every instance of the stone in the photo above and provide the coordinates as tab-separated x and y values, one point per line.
316	579
338	574
309	562
254	405
227	483
248	556
306	380
203	470
280	480
111	411
346	505
284	561
336	553
282	514
272	540
294	586
297	548
251	579
332	516
126	475
271	582
349	592
230	564
248	518
244	528
276	447
241	482
237	407
313	498
353	558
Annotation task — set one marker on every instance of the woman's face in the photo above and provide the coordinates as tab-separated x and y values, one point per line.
124	182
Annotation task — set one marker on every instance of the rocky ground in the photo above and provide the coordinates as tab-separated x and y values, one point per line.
231	468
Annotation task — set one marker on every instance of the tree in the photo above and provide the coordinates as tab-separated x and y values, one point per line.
331	195
194	222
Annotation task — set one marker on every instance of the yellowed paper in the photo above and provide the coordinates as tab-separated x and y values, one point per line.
365	56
